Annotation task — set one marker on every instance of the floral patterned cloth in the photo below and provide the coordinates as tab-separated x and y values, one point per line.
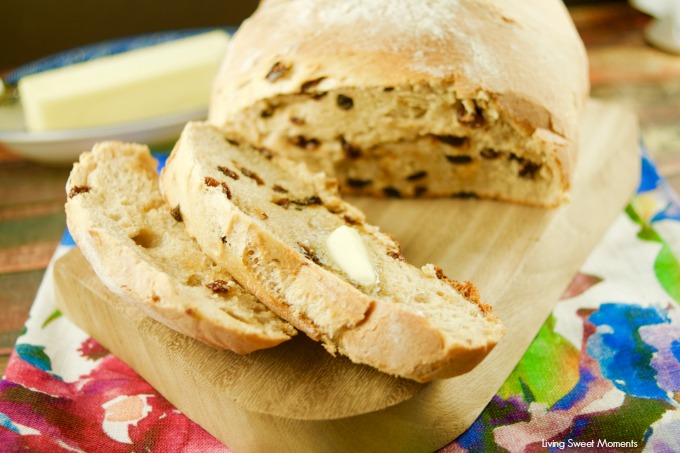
603	373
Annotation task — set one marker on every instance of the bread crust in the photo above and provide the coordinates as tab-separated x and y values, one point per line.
365	328
524	59
526	53
270	269
141	275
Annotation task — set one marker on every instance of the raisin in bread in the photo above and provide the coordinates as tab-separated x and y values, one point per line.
268	221
139	249
404	98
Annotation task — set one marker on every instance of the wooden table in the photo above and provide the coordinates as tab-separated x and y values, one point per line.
623	69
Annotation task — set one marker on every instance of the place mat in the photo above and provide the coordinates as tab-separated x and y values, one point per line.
603	373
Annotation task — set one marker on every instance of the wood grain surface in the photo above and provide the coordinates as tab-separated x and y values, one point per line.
623	69
296	397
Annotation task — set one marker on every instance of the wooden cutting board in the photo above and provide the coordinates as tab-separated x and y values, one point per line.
297	398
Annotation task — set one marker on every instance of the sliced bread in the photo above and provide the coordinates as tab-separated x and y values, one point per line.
269	221
138	247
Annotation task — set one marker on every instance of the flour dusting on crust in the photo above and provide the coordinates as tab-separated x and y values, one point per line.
396	26
400	16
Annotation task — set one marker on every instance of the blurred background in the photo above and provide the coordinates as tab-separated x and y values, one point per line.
30	29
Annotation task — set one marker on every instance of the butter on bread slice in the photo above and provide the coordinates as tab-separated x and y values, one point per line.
268	221
138	248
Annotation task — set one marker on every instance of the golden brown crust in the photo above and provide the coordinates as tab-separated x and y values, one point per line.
523	59
467	289
526	52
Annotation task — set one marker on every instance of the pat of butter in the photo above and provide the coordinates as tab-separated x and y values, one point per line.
348	250
163	79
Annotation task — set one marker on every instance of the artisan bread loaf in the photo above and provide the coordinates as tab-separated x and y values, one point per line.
413	99
138	247
269	222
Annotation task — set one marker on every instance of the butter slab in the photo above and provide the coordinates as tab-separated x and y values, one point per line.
159	80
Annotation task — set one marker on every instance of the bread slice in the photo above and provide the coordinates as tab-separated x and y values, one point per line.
412	99
267	220
139	249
